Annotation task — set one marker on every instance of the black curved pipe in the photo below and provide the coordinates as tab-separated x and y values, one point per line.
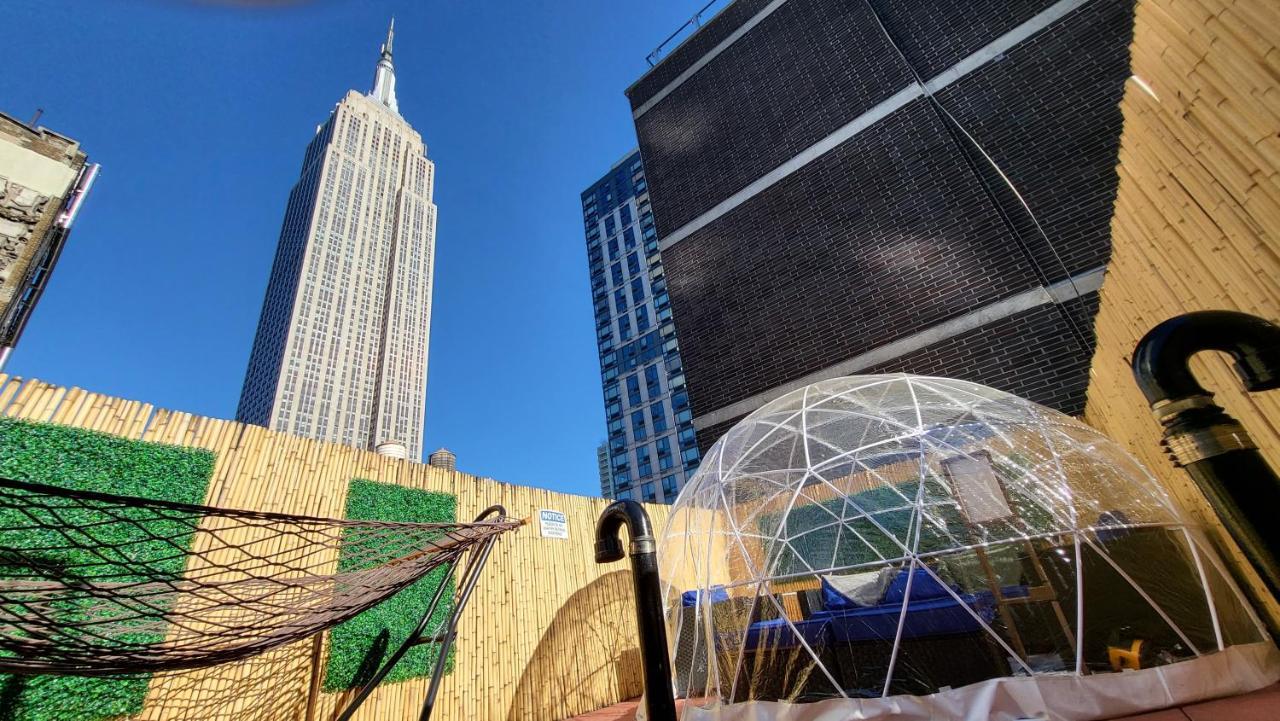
1160	362
1204	439
658	696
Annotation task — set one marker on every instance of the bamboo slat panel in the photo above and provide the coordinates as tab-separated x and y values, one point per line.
548	634
1197	217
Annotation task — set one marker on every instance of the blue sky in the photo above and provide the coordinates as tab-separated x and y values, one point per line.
199	114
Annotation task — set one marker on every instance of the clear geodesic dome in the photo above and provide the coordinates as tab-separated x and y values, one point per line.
929	548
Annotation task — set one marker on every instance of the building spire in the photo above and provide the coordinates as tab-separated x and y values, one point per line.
384	77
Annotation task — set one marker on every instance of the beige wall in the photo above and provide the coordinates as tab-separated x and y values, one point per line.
1197	218
548	633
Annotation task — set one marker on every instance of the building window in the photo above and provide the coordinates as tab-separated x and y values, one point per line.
644	467
610	227
624	327
633	265
642	319
625	213
651	381
616	271
633	390
674	364
629	238
637	289
688	437
624	495
658	413
689	455
649	492
668	488
620	301
638	432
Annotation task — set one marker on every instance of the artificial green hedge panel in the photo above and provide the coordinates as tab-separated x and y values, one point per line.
358	647
86	460
857	540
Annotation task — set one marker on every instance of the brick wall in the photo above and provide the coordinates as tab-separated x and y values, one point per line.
1031	354
904	225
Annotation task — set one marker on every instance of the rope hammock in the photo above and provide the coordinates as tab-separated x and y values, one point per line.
93	584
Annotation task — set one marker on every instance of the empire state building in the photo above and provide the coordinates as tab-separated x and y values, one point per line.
340	352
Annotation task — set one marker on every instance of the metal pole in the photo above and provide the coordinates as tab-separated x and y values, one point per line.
413	640
1210	444
479	556
658	696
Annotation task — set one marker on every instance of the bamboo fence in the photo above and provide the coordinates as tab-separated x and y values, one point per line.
1197	218
548	634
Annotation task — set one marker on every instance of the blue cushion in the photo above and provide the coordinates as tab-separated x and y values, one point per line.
933	617
924	586
715	594
833	600
778	634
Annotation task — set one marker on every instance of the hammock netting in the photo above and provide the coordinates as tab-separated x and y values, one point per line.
100	585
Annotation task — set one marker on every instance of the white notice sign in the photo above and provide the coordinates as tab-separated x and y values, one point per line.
553	524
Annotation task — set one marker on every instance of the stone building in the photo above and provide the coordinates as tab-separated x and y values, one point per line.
44	177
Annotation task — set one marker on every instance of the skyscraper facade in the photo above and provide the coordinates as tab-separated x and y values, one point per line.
602	467
652	446
340	352
885	186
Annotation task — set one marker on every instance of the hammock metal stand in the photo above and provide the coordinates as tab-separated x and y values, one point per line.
445	636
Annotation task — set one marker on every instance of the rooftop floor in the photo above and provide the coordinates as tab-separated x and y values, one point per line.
1261	705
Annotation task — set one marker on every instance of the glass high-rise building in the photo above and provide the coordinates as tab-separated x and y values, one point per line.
652	446
341	348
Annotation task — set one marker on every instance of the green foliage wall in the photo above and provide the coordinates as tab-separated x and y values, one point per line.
86	460
857	540
358	647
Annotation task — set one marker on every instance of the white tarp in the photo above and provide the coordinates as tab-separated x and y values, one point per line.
1051	697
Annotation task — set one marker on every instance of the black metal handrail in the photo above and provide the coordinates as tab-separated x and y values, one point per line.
694	22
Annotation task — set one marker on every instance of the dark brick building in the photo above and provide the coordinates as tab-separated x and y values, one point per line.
828	179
